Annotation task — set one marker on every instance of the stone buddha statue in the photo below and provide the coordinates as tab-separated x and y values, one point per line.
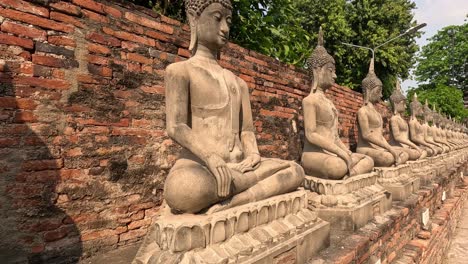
208	113
443	125
371	141
437	132
428	133
324	154
416	129
399	129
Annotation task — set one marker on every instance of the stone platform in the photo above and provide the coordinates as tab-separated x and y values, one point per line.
348	204
399	181
423	170
260	232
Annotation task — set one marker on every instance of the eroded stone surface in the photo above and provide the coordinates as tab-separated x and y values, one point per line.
250	232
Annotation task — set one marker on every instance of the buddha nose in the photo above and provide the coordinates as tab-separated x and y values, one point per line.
224	27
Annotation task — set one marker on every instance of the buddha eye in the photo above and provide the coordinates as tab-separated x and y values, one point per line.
217	16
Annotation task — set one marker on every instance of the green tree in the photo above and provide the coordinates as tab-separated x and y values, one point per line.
287	29
443	61
446	98
365	23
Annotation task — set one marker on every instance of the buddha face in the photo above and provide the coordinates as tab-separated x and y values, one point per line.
326	75
213	26
400	106
375	94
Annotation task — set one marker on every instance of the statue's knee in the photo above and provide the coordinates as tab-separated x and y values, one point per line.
297	173
190	190
386	160
337	169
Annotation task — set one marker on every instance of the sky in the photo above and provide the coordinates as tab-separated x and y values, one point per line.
437	14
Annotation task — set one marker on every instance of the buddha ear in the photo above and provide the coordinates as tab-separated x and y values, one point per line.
193	22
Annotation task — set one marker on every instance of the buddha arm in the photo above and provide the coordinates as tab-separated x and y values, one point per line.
397	134
367	133
177	110
315	138
249	142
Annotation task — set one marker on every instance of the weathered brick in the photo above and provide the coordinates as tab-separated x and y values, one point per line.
91	5
37	165
137	233
100	70
35	20
129	36
139	223
17	41
97	234
149	23
112	11
96	48
103	39
54	235
47	48
21	30
98	60
139	58
54	62
66	19
66	8
156	89
25	7
95	16
61	41
45	83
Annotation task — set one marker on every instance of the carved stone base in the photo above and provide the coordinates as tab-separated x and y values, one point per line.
348	204
259	232
399	181
423	170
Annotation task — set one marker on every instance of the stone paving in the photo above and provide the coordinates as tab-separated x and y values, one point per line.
458	251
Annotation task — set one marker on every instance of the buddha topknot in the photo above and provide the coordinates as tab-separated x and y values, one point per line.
397	96
197	6
319	56
371	79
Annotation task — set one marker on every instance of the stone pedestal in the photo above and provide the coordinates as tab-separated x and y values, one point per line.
348	204
259	232
399	181
423	170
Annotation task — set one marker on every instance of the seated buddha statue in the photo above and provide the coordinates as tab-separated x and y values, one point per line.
399	129
208	113
415	128
371	141
437	133
428	133
324	154
443	124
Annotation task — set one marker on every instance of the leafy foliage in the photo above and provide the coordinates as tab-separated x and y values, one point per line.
446	98
287	30
443	61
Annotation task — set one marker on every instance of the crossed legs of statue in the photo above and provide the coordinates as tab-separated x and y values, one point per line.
413	154
382	157
328	166
191	188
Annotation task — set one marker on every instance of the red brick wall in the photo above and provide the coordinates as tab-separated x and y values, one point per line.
83	147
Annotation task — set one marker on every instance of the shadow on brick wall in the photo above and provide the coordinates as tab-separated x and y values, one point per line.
33	229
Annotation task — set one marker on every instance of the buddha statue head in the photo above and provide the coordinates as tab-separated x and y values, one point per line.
428	115
209	22
416	107
371	86
322	66
398	99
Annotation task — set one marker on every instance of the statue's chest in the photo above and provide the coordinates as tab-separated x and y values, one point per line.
402	125
213	89
375	119
326	113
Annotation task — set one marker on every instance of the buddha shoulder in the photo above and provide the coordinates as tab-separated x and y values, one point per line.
177	70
